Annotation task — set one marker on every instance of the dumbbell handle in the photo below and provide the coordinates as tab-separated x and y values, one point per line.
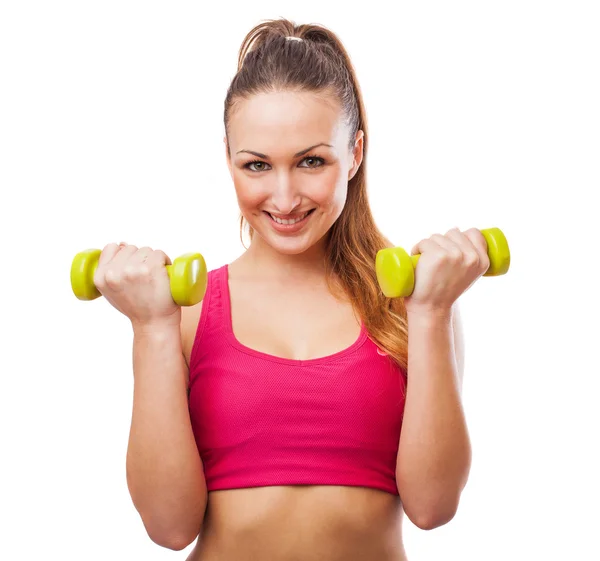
395	268
187	276
497	252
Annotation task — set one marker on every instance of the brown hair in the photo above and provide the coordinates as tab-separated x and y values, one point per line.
319	63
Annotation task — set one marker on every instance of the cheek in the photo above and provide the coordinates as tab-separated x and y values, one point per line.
329	193
249	194
331	197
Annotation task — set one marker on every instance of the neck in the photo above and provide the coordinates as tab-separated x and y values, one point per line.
266	261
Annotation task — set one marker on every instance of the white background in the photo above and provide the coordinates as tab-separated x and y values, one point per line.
481	114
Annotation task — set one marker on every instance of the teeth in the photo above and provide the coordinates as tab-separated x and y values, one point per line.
282	221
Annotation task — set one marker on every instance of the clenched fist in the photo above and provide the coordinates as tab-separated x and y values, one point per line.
135	281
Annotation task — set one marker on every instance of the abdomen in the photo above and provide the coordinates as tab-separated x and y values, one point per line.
312	523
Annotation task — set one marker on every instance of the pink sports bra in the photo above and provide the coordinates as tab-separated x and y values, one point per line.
263	420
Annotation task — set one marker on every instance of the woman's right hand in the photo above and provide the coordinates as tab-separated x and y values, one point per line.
135	282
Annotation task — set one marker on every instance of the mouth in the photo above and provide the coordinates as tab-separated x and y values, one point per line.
289	223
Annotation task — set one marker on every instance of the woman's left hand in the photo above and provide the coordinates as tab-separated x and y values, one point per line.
447	267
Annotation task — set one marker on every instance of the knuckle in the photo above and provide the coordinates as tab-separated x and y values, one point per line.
107	251
130	271
445	257
456	256
485	263
158	257
476	236
136	271
144	271
112	278
472	260
99	280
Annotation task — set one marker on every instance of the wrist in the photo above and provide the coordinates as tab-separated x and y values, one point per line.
433	316
156	329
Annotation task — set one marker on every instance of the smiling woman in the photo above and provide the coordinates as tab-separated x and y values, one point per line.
290	218
286	183
295	362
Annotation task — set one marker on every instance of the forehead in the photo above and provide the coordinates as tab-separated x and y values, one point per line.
270	121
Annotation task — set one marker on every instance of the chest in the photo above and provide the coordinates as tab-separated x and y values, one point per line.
293	324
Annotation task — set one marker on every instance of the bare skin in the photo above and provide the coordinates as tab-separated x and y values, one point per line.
280	278
281	305
294	522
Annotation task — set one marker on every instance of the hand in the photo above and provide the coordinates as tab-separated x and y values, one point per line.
135	282
447	267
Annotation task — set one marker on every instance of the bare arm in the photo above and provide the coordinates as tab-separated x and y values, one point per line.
434	453
165	475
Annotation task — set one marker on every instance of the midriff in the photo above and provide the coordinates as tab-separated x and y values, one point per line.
301	523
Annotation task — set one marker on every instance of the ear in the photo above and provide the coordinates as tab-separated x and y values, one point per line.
357	154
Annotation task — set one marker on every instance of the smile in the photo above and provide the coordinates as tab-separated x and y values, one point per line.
289	225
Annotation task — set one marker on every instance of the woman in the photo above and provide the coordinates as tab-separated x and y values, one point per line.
267	419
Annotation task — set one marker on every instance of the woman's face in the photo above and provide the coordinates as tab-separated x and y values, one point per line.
290	157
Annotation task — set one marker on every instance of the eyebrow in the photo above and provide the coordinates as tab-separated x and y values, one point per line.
301	153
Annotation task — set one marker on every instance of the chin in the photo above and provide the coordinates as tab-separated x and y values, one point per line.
288	246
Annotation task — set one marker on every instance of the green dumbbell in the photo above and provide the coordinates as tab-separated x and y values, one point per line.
187	277
395	268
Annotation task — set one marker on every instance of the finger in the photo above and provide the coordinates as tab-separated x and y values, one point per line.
448	247
159	257
471	256
132	263
447	242
156	261
478	240
108	253
427	245
113	269
461	240
141	255
124	254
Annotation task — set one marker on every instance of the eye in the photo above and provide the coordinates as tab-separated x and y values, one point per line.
314	158
253	163
317	159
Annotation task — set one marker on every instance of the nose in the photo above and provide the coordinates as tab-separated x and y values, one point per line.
285	197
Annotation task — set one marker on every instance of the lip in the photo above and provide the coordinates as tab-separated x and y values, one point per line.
288	228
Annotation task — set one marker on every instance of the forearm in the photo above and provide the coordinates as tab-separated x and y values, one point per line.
164	470
434	453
